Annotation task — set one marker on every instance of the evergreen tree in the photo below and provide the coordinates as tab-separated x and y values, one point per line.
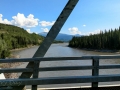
108	40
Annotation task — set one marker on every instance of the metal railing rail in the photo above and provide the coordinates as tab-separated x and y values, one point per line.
94	78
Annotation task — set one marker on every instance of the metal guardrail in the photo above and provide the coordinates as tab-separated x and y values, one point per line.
94	78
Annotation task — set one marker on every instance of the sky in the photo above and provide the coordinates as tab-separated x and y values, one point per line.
89	16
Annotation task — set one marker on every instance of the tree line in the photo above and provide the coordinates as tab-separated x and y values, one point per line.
104	40
12	37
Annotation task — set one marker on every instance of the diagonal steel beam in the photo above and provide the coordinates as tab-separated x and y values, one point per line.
49	39
55	29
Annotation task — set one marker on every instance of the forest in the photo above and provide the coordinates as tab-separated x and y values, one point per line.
107	40
12	37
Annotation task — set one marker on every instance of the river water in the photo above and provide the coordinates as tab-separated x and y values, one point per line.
61	50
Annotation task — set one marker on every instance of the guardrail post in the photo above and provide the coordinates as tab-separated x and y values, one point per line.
35	72
95	70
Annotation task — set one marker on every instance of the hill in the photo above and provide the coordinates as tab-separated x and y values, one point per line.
61	36
12	37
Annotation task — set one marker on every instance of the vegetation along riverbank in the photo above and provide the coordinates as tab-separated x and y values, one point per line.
13	37
107	41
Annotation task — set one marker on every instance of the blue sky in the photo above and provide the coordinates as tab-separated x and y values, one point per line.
89	16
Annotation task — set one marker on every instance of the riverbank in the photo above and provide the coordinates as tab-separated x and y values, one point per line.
30	46
99	50
10	65
13	64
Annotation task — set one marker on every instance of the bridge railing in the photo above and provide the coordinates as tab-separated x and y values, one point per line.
93	79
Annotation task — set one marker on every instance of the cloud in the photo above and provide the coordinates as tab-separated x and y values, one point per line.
45	29
46	23
95	32
74	30
28	30
1	17
84	25
36	32
5	21
22	21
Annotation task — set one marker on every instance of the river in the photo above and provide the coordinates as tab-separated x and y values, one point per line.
61	50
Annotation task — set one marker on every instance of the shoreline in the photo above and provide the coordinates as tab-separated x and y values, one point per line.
99	50
13	64
17	49
105	50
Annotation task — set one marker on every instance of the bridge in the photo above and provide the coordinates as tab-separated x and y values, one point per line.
33	68
94	78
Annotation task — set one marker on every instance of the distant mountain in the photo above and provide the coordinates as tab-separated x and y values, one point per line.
61	36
